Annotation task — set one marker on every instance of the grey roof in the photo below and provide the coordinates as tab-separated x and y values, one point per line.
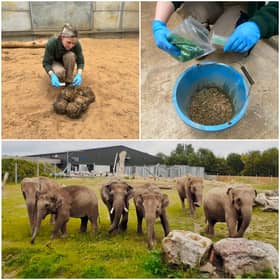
105	156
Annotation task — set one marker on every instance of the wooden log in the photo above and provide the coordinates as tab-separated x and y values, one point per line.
19	44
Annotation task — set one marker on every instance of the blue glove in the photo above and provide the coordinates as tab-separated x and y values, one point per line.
77	80
243	38
160	32
55	80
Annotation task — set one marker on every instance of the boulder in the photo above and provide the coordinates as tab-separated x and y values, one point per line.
186	248
269	200
240	256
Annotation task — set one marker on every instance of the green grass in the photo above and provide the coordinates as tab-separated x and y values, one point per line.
122	255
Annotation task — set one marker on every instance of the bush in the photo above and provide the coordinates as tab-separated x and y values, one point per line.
24	169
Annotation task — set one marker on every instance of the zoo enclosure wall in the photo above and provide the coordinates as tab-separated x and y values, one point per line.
27	19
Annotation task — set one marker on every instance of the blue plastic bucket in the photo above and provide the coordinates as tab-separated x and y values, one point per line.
211	74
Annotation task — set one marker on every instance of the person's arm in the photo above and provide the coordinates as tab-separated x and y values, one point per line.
77	81
262	24
163	12
267	19
49	55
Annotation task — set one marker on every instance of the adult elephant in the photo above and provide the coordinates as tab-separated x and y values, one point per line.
233	205
116	195
32	186
71	201
150	204
190	188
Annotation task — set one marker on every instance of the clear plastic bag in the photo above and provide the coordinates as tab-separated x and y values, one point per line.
192	38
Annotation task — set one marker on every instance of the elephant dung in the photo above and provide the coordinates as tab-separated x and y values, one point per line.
73	101
210	106
60	106
240	256
82	101
74	110
68	93
186	248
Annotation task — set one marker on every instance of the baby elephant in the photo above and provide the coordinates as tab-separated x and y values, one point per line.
71	201
233	205
190	188
151	203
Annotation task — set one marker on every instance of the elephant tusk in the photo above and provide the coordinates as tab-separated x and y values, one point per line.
112	210
125	209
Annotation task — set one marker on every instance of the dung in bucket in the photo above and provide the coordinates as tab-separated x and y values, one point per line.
210	106
211	96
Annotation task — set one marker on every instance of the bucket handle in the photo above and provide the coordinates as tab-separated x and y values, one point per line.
247	75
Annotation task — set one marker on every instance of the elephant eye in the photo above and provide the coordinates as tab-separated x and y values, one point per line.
238	201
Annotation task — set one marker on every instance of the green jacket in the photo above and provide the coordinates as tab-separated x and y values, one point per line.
265	16
54	51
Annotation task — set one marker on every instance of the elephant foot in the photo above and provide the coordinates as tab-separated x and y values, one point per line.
113	230
140	231
64	235
123	227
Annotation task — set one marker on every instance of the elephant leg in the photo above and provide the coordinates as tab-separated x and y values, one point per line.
84	221
139	221
123	224
182	198
164	223
94	226
231	224
52	219
210	227
59	223
63	230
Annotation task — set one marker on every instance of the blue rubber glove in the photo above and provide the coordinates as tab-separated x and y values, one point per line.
55	80
160	32
77	80
243	38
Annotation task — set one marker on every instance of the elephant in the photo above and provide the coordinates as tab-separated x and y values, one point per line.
29	188
191	188
70	201
150	204
115	195
233	205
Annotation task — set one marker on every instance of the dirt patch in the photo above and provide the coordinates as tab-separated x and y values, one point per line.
211	106
111	71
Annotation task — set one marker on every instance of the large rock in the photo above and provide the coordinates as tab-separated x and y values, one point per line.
269	199
240	255
186	248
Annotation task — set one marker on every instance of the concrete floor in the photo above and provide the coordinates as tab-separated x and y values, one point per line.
159	72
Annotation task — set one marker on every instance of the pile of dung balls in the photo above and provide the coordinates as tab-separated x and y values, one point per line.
73	101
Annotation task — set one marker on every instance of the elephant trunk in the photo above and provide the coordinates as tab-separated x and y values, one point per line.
39	218
150	222
246	219
31	214
118	208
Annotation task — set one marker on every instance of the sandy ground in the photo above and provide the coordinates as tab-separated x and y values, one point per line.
111	70
159	73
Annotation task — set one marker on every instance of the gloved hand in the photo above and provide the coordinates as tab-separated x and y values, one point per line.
55	80
243	38
160	32
77	80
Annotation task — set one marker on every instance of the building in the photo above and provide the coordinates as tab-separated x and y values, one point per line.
100	160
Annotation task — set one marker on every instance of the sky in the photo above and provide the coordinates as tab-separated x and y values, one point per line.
221	148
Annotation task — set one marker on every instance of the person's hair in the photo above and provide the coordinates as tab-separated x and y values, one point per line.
69	31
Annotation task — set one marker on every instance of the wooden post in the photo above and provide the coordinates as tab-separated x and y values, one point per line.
16	172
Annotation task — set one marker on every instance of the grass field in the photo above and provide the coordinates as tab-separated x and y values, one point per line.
123	255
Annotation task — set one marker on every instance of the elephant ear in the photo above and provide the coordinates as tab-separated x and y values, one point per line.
230	194
105	191
139	200
189	182
164	200
130	192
